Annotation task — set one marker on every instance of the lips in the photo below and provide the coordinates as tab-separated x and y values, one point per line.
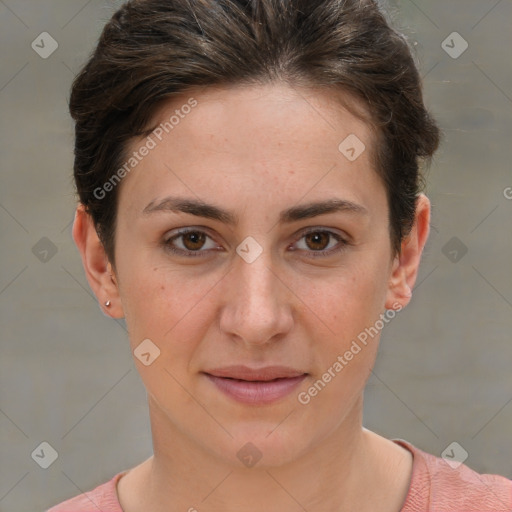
261	374
256	386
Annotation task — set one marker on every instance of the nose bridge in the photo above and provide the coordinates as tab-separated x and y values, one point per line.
256	310
258	279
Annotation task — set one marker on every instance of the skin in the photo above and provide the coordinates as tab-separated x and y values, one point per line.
256	151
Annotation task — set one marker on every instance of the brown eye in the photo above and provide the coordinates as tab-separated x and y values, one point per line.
189	242
317	243
193	240
318	240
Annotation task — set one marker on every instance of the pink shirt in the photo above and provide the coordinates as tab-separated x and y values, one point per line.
434	487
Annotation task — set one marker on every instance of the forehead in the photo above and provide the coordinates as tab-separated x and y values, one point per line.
257	136
275	110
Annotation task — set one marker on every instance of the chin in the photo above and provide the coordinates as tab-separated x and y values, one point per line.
264	445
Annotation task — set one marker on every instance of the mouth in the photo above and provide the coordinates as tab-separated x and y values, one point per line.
256	386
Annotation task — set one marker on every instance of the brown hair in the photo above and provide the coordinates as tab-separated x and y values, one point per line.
152	50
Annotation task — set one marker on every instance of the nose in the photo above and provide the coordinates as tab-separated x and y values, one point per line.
258	305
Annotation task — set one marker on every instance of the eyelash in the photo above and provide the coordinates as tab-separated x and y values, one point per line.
315	254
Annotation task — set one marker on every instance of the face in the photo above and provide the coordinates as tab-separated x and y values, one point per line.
261	278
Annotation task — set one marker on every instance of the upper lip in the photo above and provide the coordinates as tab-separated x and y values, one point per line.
245	373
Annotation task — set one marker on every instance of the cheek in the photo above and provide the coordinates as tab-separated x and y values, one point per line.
169	309
344	312
165	305
347	299
345	340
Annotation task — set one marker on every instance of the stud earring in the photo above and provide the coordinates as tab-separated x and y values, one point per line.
107	304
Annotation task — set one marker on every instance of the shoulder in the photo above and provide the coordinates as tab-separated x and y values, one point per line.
103	497
436	485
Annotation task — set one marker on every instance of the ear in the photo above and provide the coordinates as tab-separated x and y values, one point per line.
406	264
98	270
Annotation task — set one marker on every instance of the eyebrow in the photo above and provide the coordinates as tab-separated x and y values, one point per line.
210	211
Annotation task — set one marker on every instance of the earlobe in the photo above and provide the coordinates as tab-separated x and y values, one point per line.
98	270
405	265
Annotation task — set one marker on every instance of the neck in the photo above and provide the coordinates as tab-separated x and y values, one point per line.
334	474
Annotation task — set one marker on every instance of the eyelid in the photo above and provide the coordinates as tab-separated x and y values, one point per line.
323	229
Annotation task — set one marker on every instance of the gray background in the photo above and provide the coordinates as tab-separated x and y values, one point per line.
66	373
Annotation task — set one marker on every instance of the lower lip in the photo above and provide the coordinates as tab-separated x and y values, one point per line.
256	392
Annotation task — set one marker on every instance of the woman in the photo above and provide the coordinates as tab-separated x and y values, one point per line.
248	175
